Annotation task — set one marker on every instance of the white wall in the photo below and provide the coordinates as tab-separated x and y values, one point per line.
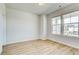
71	41
43	26
21	26
2	26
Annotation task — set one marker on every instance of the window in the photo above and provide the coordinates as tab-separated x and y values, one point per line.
56	25
71	24
68	26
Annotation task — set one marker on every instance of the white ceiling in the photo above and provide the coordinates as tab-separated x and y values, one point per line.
35	8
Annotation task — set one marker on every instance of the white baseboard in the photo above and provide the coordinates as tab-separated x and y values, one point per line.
21	41
60	41
0	50
65	43
43	38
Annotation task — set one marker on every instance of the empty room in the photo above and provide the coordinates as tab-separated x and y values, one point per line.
39	28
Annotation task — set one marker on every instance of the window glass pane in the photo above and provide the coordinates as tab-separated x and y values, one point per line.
66	29
74	19
54	28
67	20
71	29
71	22
56	25
58	21
75	29
58	29
53	21
75	25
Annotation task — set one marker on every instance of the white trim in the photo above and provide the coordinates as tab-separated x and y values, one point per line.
0	49
65	43
21	41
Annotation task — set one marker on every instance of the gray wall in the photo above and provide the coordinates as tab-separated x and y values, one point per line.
21	26
2	26
72	41
43	26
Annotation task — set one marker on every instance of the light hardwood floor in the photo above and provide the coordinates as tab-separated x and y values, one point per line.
39	47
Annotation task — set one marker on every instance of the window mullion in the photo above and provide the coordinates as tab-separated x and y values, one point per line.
56	26
62	25
78	25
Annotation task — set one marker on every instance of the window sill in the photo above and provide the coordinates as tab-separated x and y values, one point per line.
66	35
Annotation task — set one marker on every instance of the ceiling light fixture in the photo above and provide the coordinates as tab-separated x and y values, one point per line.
40	4
60	6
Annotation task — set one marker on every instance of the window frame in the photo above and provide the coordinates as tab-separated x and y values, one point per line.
62	26
70	23
56	26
